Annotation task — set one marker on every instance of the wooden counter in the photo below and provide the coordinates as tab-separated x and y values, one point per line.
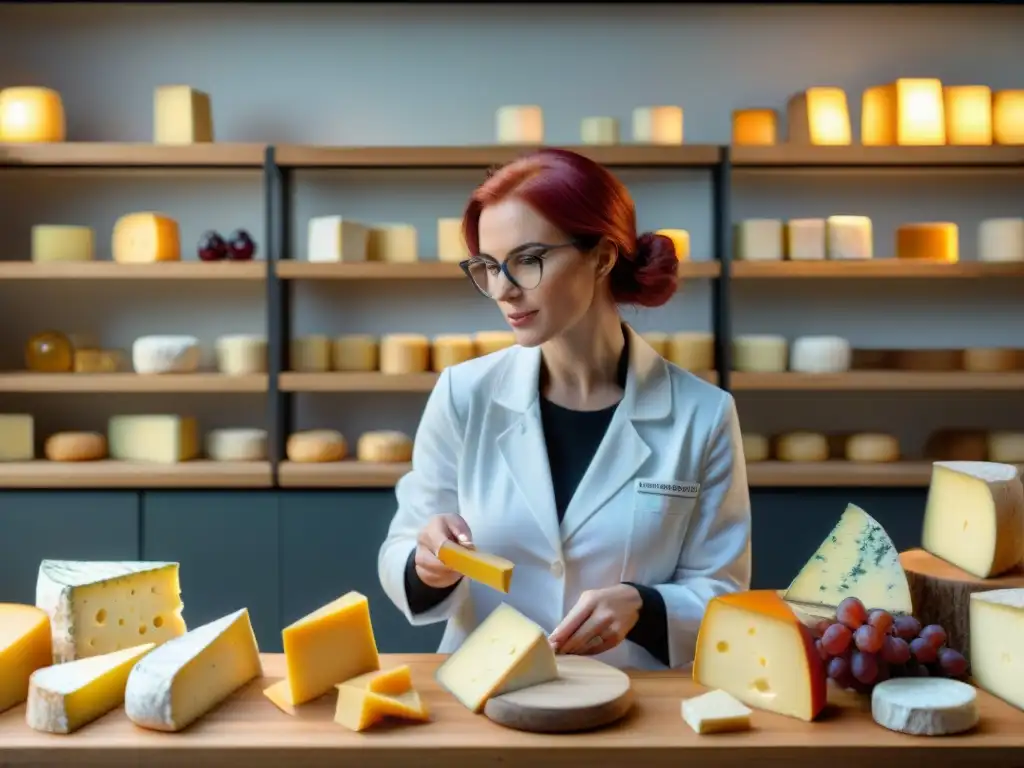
249	731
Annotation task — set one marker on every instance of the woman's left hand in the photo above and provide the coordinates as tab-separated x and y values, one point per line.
598	622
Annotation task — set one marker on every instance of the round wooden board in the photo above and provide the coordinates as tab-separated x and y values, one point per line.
588	694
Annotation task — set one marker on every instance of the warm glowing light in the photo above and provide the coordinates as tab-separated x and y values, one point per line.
908	112
819	116
968	114
1008	117
755	127
31	115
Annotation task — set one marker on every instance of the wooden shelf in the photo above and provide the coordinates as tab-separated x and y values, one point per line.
380	382
212	383
340	474
138	155
109	270
623	156
875	268
878	381
785	474
789	155
422	270
134	474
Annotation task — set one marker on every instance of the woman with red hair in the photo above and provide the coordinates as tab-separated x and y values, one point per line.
612	479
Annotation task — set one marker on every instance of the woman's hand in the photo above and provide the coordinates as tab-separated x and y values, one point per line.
439	529
598	622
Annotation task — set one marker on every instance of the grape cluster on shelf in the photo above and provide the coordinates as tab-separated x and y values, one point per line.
861	648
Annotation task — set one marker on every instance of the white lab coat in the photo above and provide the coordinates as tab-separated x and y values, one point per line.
479	452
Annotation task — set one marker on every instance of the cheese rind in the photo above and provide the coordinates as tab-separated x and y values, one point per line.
755	127
17	437
25	646
492	570
849	238
759	240
1006	447
520	124
716	712
240	354
161	438
1001	240
756	447
99	361
336	239
75	446
820	354
144	238
237	444
181	115
658	125
925	706
53	242
928	241
992	359
487	342
996	635
805	239
166	354
30	115
819	116
968	111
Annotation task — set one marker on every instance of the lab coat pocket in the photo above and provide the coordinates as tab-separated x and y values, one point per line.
660	522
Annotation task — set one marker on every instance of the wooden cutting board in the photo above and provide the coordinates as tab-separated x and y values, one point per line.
589	694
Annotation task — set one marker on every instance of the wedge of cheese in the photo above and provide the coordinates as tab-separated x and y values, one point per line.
25	646
183	679
359	708
389	682
494	571
65	697
97	607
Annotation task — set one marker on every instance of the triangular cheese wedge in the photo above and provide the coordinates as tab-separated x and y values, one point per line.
390	682
358	708
25	646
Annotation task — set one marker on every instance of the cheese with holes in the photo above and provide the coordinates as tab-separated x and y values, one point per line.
1001	240
236	444
162	438
658	125
802	446
805	239
1006	447
181	115
240	354
968	111
756	447
658	341
25	646
332	644
872	447
692	350
310	354
716	712
755	127
404	353
492	570
520	124
30	115
992	359
599	130
752	646
1008	117
819	116
974	516
760	353
451	245
848	238
179	682
451	349
75	446
354	352
358	708
390	682
758	240
925	706
907	112
506	652
929	241
144	238
394	243
996	637
333	238
857	559
166	354
64	697
17	437
487	342
99	361
387	445
316	445
680	240
820	354
53	242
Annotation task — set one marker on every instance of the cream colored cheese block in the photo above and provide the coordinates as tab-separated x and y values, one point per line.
166	354
75	446
658	341
1006	447
680	239
241	354
53	242
310	354
99	361
316	445
760	353
334	239
716	712
404	353
692	350
925	706
179	682
161	438
17	437
450	350
755	127
658	125
820	354
756	447
145	238
599	130
384	446
65	697
992	360
996	636
393	243
30	115
487	342
928	241
974	516
805	239
872	447
451	245
354	352
98	607
182	115
25	646
802	446
849	238
758	240
1001	240
236	444
520	124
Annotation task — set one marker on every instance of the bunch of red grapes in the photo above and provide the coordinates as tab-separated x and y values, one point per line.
861	648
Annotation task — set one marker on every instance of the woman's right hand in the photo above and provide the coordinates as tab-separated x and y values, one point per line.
439	529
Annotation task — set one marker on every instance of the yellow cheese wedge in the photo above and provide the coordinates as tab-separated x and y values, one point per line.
389	682
494	571
358	708
25	646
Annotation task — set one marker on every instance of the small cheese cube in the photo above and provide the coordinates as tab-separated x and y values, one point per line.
716	712
52	242
907	112
25	646
848	238
968	111
755	127
451	245
1008	117
358	708
394	243
159	438
758	240
404	353
801	446
930	241
805	239
599	130
760	353
332	238
996	637
17	437
494	571
31	115
451	349
385	445
658	125
518	124
310	354
142	238
181	115
680	239
354	352
819	116
1001	240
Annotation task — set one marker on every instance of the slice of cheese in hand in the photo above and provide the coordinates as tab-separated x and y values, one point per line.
25	646
494	571
925	706
716	712
974	516
64	697
857	559
753	646
507	652
99	607
359	708
996	637
183	679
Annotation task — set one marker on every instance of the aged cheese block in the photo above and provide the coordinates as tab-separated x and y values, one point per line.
957	445
716	712
166	354
756	447
1006	447
334	238
805	239
968	114
819	116
17	437
393	243
310	354
449	350
181	115
236	444
755	127
872	447
99	361
30	115
1008	117
692	350
992	360
820	354
848	238
997	626
487	342
1001	240
907	112
404	353
658	341
680	239
928	241
520	124
53	242
599	130
354	352
162	438
758	240
801	446
924	706
658	125
451	245
384	446
144	238
316	445
75	446
25	646
760	353
241	353
494	571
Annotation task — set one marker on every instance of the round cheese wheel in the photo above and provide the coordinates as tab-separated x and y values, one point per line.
929	359
166	354
991	360
451	350
354	352
240	354
493	341
404	353
658	342
75	446
820	354
1001	240
384	446
957	445
316	445
925	706
756	447
872	446
236	444
310	354
1006	447
928	241
760	353
692	350
802	446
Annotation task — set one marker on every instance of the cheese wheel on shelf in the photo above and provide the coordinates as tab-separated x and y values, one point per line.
145	238
928	241
1008	117
658	341
76	446
755	127
388	446
354	352
1006	447
805	240
992	360
872	447
404	353
451	245
62	242
756	447
520	124
957	445
487	342
692	350
760	353
310	354
99	361
450	349
758	240
658	125
848	238
31	115
1001	240
392	243
801	446
241	353
929	359
680	240
599	130
236	444
820	354
17	437
316	445
166	354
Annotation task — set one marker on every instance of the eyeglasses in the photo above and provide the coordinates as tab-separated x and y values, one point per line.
524	268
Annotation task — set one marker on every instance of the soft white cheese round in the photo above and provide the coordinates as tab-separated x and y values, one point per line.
165	354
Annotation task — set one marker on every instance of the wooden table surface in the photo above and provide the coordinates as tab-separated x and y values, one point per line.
247	730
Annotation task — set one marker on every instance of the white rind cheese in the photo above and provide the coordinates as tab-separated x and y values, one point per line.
849	238
332	238
237	444
166	354
759	240
820	354
925	706
805	239
1001	240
